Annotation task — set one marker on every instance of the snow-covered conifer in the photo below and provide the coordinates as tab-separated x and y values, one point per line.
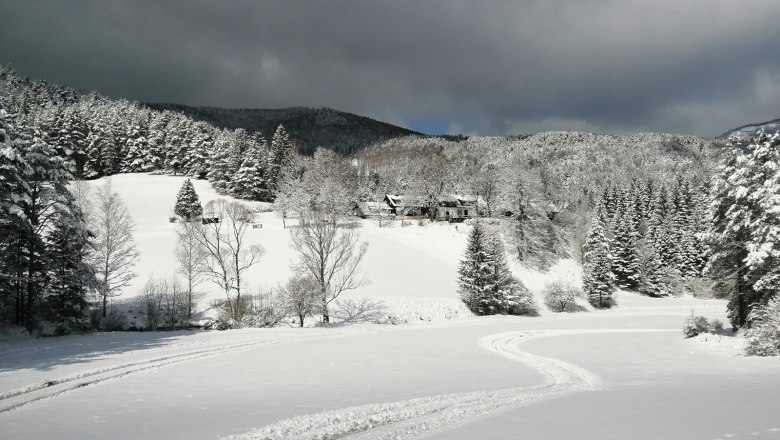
249	181
740	243
507	294
624	249
475	275
187	202
597	279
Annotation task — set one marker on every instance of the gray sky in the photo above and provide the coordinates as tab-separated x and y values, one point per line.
476	67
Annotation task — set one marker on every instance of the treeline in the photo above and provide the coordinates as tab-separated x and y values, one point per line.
95	136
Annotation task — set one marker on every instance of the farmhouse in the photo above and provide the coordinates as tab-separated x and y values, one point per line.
450	208
406	205
372	210
456	208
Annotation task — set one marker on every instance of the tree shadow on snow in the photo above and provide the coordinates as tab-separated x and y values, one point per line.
359	311
46	353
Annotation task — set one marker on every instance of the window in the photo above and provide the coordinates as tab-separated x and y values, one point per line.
466	212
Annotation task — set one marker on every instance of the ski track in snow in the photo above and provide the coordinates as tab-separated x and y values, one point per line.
60	385
412	418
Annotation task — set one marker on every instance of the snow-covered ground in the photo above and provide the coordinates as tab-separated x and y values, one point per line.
412	268
620	373
613	374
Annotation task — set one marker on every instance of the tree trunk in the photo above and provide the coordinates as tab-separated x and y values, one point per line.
105	300
301	317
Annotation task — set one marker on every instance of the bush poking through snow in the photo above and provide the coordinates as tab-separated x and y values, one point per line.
559	296
266	309
696	325
114	321
763	338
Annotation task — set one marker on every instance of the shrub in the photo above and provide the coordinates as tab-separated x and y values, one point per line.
165	303
520	301
763	338
560	296
695	325
262	310
114	321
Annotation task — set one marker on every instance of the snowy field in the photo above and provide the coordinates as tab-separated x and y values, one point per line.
625	373
408	266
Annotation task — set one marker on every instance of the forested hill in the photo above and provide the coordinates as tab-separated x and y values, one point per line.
308	127
749	131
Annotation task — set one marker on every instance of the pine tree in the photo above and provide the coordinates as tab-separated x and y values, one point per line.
13	223
188	204
597	278
763	247
475	274
37	193
742	240
249	181
624	249
652	275
71	277
282	157
506	293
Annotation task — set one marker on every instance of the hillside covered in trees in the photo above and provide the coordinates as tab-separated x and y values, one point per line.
309	128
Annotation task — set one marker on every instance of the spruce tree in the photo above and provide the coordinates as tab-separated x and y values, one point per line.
652	275
597	278
282	157
625	258
475	275
188	204
249	182
71	277
742	240
506	293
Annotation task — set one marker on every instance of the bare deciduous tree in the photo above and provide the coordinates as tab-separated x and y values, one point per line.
300	296
329	254
226	253
165	303
114	253
189	255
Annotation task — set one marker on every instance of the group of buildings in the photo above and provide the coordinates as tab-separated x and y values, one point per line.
451	208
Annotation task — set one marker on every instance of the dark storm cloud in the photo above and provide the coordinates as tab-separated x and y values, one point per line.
484	67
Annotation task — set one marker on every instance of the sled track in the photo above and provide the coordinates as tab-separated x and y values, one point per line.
57	386
411	418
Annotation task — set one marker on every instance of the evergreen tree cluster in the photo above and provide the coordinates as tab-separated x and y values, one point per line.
95	136
645	234
744	237
487	285
44	242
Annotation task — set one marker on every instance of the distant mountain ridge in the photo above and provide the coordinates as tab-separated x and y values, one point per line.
309	127
748	131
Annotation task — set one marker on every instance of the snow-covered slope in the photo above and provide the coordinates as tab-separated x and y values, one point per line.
403	262
411	269
746	132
